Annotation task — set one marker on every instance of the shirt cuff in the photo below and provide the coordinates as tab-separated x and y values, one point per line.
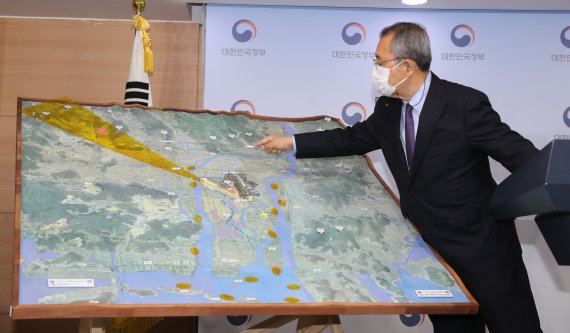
294	145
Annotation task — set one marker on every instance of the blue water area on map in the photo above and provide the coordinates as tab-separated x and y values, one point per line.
28	247
273	292
377	293
48	255
419	250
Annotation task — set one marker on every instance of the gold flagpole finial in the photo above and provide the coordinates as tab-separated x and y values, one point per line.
143	26
138	6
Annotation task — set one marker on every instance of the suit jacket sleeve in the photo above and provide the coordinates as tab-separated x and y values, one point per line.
488	134
356	140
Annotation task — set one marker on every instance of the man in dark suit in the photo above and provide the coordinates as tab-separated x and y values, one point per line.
436	137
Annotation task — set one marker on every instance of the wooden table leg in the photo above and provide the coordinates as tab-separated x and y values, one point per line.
317	324
92	325
335	325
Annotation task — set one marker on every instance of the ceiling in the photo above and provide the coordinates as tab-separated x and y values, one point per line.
176	10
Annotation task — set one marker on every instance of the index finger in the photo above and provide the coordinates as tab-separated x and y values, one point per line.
263	141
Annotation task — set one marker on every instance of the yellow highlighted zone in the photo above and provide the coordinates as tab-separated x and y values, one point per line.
81	122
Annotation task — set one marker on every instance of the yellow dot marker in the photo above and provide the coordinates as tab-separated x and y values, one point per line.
292	300
276	270
251	279
194	250
197	218
271	234
274	186
193	184
274	211
226	297
281	202
183	285
293	286
190	168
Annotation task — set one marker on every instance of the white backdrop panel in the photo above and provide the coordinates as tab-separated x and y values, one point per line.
299	61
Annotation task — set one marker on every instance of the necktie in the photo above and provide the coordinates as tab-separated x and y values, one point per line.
410	135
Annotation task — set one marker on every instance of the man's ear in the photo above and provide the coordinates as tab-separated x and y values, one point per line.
410	65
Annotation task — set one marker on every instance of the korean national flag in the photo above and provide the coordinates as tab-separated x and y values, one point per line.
138	85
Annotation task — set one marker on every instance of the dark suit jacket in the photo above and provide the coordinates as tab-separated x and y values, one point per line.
446	194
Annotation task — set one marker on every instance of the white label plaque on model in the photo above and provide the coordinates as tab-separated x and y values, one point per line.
434	293
71	283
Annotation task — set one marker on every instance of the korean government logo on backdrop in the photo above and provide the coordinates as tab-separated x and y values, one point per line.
243	105
243	31
352	113
463	36
352	34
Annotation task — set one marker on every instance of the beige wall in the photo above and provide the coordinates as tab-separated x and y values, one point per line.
87	61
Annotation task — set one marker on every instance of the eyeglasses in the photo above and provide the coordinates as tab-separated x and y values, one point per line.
380	63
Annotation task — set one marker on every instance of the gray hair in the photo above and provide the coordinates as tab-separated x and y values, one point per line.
410	41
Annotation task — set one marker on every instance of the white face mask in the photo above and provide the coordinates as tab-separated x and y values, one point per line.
380	77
